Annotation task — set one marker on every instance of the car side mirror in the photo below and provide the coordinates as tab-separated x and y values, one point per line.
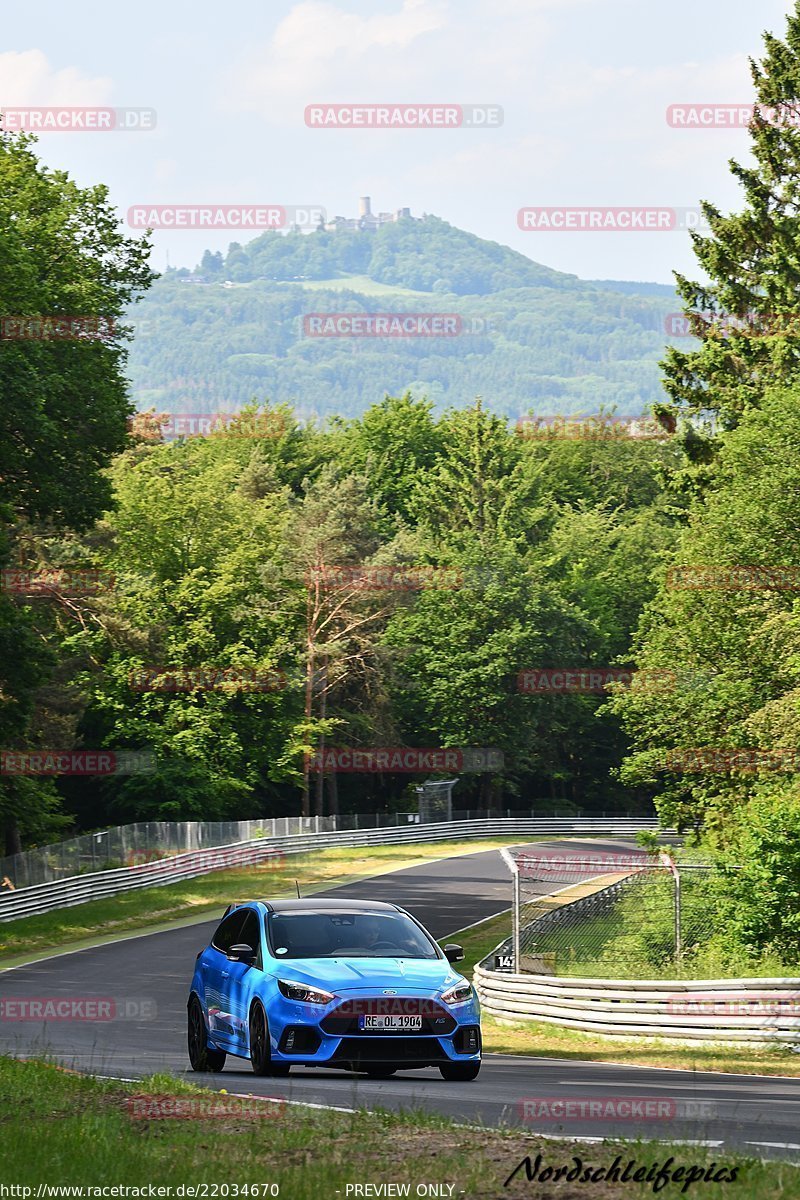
241	953
453	952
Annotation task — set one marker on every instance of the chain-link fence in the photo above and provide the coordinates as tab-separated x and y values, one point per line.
130	845
619	915
436	800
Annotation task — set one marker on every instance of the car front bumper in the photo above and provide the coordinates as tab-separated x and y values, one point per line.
309	1035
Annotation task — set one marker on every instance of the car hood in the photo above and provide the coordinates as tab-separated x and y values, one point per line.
361	974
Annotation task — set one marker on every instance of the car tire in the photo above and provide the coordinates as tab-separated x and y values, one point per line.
380	1072
260	1056
456	1072
201	1056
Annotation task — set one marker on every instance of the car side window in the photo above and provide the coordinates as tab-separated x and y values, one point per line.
251	935
228	930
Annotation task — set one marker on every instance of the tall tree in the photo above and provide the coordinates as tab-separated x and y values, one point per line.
724	628
747	315
334	534
63	400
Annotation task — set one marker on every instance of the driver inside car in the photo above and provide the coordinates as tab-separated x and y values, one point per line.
375	932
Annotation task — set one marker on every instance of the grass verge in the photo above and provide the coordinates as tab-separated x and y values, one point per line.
542	1040
64	1129
207	895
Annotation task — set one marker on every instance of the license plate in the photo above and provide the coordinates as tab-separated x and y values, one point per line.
389	1024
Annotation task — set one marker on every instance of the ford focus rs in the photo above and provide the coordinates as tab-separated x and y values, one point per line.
353	984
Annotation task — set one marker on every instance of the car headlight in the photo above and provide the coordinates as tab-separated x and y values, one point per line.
459	994
303	993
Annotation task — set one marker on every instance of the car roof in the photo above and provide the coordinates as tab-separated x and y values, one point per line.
311	905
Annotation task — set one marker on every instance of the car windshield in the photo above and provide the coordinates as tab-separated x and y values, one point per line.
347	935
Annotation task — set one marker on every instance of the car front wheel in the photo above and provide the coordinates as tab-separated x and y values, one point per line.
456	1072
201	1057
259	1045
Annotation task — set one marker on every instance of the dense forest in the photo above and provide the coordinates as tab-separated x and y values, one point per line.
409	567
232	610
234	330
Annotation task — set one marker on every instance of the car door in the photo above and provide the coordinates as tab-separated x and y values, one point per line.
215	970
241	980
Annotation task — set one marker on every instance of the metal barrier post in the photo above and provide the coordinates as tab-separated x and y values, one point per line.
513	867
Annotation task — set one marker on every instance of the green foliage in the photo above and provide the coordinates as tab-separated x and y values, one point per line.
63	413
454	261
213	544
746	311
732	654
759	892
64	401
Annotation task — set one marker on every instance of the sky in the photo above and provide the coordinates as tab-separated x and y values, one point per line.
584	87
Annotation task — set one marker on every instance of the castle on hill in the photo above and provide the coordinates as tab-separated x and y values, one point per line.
367	219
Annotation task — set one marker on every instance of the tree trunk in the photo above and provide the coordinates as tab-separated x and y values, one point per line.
309	706
12	838
323	709
333	794
305	807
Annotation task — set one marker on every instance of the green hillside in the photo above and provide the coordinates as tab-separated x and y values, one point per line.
233	330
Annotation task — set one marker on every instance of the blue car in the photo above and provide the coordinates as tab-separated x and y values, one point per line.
353	984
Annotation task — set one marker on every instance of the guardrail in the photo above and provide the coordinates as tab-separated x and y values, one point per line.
733	1010
78	889
143	841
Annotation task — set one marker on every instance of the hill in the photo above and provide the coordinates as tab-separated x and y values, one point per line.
237	328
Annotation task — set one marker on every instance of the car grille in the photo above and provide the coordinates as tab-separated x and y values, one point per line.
343	1020
421	1051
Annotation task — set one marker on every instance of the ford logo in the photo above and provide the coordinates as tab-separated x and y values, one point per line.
390	991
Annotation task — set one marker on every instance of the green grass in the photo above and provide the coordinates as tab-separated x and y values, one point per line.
636	940
61	1128
358	283
207	895
588	942
481	939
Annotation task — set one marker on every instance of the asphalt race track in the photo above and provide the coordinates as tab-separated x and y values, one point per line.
149	976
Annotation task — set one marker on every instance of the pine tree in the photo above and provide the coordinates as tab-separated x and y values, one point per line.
748	314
